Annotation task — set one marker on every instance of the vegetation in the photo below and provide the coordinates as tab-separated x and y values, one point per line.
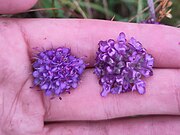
119	10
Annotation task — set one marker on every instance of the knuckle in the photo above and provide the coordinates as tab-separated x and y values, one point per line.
50	130
177	95
111	108
47	108
107	111
99	128
176	88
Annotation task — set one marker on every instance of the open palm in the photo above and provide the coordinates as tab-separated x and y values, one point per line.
26	111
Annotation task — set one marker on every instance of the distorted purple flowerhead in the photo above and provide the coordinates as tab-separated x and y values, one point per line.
121	64
57	71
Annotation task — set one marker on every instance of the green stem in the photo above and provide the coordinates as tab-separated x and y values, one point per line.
139	9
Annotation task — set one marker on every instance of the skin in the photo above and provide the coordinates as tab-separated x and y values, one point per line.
26	111
15	6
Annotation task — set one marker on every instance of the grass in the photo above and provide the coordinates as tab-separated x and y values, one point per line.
119	10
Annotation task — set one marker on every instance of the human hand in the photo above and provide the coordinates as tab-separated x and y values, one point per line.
25	111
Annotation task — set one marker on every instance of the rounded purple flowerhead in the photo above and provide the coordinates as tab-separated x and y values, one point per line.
121	64
57	71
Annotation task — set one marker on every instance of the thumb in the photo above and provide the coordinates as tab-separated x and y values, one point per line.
15	6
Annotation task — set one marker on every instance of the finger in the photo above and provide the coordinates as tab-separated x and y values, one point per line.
15	6
85	103
162	125
83	36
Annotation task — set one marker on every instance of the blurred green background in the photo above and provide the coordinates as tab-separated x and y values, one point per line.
167	11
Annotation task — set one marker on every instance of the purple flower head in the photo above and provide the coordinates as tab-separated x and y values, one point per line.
57	71
150	21
121	64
